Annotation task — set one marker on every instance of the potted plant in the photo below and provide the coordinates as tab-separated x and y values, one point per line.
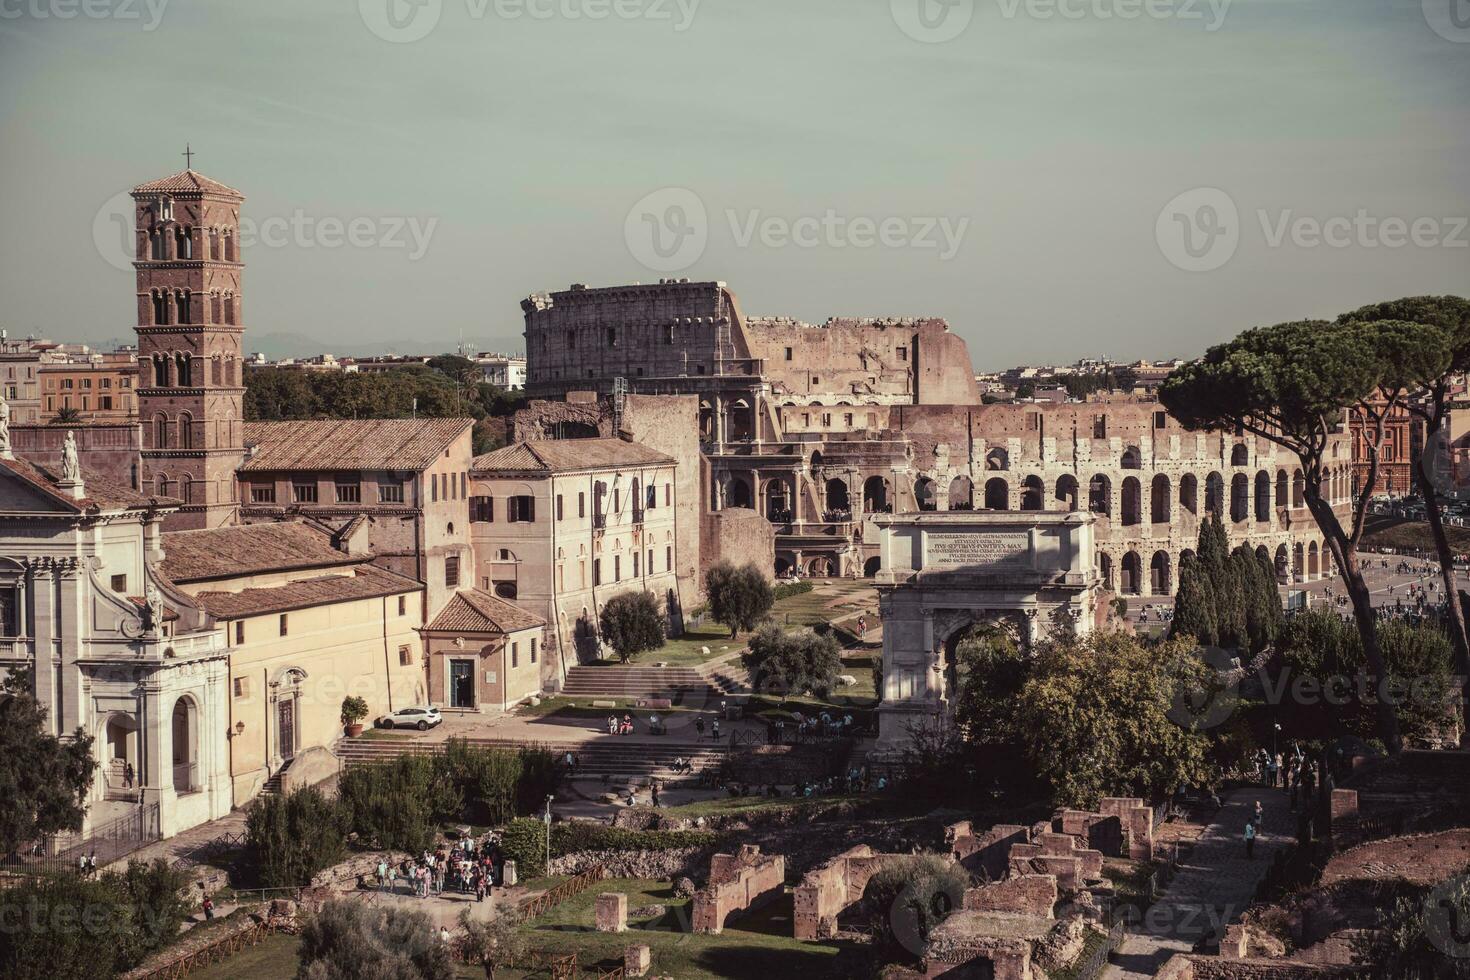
354	710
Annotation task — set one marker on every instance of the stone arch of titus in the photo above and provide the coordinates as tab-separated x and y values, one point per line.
945	572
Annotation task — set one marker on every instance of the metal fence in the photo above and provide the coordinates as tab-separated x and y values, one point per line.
102	846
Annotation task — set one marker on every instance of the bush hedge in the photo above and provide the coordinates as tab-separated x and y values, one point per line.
524	841
788	589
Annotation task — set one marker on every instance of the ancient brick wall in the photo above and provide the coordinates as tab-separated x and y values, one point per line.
987	853
109	450
824	892
1424	858
1022	895
737	882
737	535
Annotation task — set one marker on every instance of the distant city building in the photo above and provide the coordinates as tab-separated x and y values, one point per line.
503	370
20	376
98	387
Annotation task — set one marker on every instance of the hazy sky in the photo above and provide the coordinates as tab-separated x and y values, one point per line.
823	157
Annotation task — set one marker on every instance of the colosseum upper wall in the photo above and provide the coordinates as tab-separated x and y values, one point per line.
819	427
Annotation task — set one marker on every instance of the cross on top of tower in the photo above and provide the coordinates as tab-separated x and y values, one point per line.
188	156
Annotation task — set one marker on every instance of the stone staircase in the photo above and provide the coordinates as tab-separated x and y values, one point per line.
272	786
615	758
684	686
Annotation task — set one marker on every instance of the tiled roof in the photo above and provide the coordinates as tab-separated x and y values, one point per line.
474	611
249	549
101	493
568	456
362	582
186	182
350	444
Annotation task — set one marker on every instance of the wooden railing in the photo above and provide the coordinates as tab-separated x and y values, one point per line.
553	897
223	947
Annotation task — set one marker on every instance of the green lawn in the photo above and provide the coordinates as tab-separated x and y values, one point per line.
273	958
756	945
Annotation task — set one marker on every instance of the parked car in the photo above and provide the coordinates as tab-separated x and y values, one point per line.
422	717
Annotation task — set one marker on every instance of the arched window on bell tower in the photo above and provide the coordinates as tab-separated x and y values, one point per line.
184	377
184	241
216	313
160	431
214	246
229	309
185	300
186	488
186	431
160	308
161	484
229	246
156	250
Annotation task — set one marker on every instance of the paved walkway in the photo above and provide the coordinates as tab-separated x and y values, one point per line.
1212	888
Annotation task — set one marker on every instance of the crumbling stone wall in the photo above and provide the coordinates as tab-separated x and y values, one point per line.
986	854
1425	859
1137	823
826	891
737	882
739	536
1021	895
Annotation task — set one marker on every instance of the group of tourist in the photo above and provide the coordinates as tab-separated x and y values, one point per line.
465	867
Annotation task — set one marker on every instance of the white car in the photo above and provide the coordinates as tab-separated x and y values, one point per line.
422	717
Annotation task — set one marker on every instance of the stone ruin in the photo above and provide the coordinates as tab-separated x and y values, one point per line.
737	882
825	892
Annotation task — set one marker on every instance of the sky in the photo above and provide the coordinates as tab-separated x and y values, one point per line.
1056	178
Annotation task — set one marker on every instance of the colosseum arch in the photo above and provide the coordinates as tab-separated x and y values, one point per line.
1283	485
1132	459
997	494
1215	495
1066	496
1160	496
1105	570
1312	569
1130	581
1240	497
961	493
1132	502
1033	493
877	495
1282	561
1239	455
1298	490
1189	494
1160	581
997	459
926	494
1263	496
837	497
1100	495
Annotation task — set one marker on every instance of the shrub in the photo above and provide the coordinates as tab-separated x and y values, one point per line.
788	589
289	839
632	623
498	784
155	890
524	842
907	898
399	803
354	710
792	663
738	597
347	940
568	838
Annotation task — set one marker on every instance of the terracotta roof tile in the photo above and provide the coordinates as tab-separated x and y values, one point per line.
101	493
249	549
186	182
350	444
568	456
474	611
362	582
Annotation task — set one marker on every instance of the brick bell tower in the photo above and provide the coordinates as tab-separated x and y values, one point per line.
190	383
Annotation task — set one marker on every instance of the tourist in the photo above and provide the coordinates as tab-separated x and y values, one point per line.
699	728
653	728
1256	816
444	935
1250	839
128	775
714	731
382	873
393	879
571	764
653	789
612	724
479	886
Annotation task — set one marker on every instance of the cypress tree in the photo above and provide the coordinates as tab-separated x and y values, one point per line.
1271	597
1247	573
1194	607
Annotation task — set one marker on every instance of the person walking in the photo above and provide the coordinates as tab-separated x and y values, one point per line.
699	728
1257	814
653	789
129	774
208	908
382	873
1250	839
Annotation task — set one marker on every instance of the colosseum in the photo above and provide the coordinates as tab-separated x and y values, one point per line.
817	427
